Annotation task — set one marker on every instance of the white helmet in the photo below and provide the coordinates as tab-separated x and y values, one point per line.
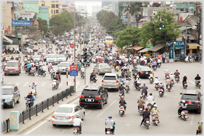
184	74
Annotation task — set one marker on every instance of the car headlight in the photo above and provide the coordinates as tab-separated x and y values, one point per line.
8	99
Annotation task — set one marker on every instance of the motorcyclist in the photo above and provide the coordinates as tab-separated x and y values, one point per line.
122	102
158	61
79	64
176	74
77	123
122	74
168	81
172	76
161	86
150	99
49	65
58	75
154	64
42	69
140	102
199	131
82	70
30	97
138	80
93	74
182	106
145	115
154	111
144	89
28	66
122	88
34	86
52	71
156	81
166	71
197	78
184	79
110	123
128	73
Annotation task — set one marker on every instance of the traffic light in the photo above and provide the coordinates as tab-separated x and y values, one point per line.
152	26
163	26
160	26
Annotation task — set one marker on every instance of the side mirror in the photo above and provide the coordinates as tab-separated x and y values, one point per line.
181	93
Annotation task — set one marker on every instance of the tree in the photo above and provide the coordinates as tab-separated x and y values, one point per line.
166	33
43	25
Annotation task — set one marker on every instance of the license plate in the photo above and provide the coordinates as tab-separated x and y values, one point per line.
89	100
146	72
10	71
186	117
168	86
147	121
61	118
140	108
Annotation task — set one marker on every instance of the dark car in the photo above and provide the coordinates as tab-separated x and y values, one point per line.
92	95
10	95
193	99
142	71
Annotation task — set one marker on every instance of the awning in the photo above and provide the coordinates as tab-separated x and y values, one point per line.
157	47
193	45
7	39
145	50
137	48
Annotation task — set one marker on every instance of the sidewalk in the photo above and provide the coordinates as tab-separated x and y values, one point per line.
46	114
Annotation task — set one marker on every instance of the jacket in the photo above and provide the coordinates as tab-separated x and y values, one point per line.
146	114
176	73
141	102
122	102
109	123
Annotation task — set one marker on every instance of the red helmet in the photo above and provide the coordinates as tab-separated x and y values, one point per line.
146	108
122	97
33	82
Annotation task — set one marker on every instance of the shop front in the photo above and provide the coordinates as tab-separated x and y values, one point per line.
179	47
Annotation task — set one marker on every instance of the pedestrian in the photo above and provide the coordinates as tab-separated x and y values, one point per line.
163	57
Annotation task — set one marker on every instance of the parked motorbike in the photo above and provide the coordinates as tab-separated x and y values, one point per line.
184	115
141	110
121	111
146	123
155	119
185	85
197	82
161	92
54	84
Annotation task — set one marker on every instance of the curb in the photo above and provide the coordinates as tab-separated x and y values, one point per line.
47	113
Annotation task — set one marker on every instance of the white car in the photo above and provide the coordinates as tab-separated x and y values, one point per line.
65	114
61	58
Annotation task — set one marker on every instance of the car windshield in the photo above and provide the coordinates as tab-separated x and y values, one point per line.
51	56
64	65
145	69
12	64
61	56
109	39
109	78
36	56
64	110
104	66
6	91
190	96
90	92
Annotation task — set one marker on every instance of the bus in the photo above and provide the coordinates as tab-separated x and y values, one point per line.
109	40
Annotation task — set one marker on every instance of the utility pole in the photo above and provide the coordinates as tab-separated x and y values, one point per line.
199	22
74	51
185	42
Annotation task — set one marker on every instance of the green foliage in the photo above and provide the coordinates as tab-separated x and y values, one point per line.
43	24
166	33
110	21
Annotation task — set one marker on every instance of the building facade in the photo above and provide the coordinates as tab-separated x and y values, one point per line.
54	7
63	7
44	13
31	6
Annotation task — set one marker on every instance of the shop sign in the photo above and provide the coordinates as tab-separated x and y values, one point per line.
193	47
176	43
149	44
19	35
19	23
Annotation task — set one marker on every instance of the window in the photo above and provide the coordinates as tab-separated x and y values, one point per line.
181	9
51	11
54	11
76	109
42	4
57	11
57	6
53	5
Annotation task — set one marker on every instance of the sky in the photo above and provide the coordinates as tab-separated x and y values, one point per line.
88	4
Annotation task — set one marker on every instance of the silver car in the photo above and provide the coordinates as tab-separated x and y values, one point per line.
61	58
28	51
36	58
63	67
111	80
102	68
65	114
51	58
10	95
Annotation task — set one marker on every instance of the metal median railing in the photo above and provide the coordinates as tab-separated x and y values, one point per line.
27	114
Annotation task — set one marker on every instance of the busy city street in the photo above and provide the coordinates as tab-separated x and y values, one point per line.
72	72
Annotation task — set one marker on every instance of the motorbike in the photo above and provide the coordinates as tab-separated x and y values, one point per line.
157	86
168	87
149	65
128	78
121	111
172	82
32	71
177	79
155	119
143	95
146	123
151	79
166	76
52	75
161	92
150	106
54	84
108	132
76	130
154	68
141	110
184	115
28	101
43	74
185	85
159	65
137	86
33	89
93	79
83	75
127	88
49	68
121	94
117	68
197	82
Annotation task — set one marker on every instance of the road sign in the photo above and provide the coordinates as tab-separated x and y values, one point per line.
74	73
86	35
72	45
73	67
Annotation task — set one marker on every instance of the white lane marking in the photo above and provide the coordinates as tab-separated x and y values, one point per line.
26	84
106	109
43	83
192	119
35	127
17	84
192	82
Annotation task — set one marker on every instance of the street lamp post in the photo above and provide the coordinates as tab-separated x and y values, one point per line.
74	52
22	24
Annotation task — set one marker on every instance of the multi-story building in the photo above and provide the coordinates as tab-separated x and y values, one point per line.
95	10
63	7
114	6
72	6
54	7
44	13
80	7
